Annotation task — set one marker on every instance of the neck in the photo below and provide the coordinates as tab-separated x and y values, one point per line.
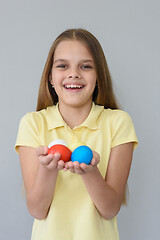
74	116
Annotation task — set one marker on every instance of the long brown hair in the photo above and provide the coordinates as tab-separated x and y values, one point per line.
103	93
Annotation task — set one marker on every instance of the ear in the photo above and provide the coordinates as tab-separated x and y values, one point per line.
50	79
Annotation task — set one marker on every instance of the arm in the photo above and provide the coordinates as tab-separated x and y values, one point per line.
107	194
39	172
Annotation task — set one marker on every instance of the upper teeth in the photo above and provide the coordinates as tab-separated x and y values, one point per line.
73	86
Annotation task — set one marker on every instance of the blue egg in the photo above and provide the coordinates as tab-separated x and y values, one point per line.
82	154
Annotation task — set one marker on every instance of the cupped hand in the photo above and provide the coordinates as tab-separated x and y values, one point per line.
50	161
82	168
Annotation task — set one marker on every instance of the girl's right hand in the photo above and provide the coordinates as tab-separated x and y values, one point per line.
50	161
40	171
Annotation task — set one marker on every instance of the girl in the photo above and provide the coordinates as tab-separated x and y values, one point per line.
76	103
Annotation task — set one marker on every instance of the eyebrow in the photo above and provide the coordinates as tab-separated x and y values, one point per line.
65	60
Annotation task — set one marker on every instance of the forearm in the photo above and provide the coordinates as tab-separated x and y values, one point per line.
41	194
103	196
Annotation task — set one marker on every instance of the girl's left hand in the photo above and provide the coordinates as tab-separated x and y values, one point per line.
82	168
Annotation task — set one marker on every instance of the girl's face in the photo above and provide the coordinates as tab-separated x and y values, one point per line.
73	74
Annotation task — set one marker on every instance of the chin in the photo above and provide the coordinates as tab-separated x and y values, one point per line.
76	102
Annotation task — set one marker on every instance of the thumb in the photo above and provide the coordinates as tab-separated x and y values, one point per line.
42	150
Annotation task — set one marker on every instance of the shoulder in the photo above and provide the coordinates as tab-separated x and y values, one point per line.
120	126
115	115
117	120
37	116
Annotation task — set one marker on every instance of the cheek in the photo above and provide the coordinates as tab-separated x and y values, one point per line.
93	80
56	77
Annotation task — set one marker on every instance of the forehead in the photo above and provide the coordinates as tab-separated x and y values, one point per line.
72	48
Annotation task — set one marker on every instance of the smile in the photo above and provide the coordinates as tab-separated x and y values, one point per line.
73	86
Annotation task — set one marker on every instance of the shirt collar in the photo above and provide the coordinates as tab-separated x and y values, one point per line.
92	120
55	120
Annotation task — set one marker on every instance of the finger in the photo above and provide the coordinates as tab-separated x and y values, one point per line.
52	165
66	165
54	162
96	159
60	165
78	168
86	168
93	162
71	167
96	155
65	168
56	157
45	160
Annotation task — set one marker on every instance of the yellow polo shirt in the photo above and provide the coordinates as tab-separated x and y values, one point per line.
72	215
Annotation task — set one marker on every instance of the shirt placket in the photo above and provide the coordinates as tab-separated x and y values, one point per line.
74	138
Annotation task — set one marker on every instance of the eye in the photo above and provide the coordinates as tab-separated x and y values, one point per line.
86	66
63	66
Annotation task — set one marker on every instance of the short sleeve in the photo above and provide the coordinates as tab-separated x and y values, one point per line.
27	133
123	130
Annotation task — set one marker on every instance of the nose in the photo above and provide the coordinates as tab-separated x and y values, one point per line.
74	73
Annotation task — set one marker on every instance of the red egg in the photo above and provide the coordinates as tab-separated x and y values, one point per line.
63	150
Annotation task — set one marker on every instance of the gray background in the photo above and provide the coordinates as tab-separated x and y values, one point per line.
129	32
